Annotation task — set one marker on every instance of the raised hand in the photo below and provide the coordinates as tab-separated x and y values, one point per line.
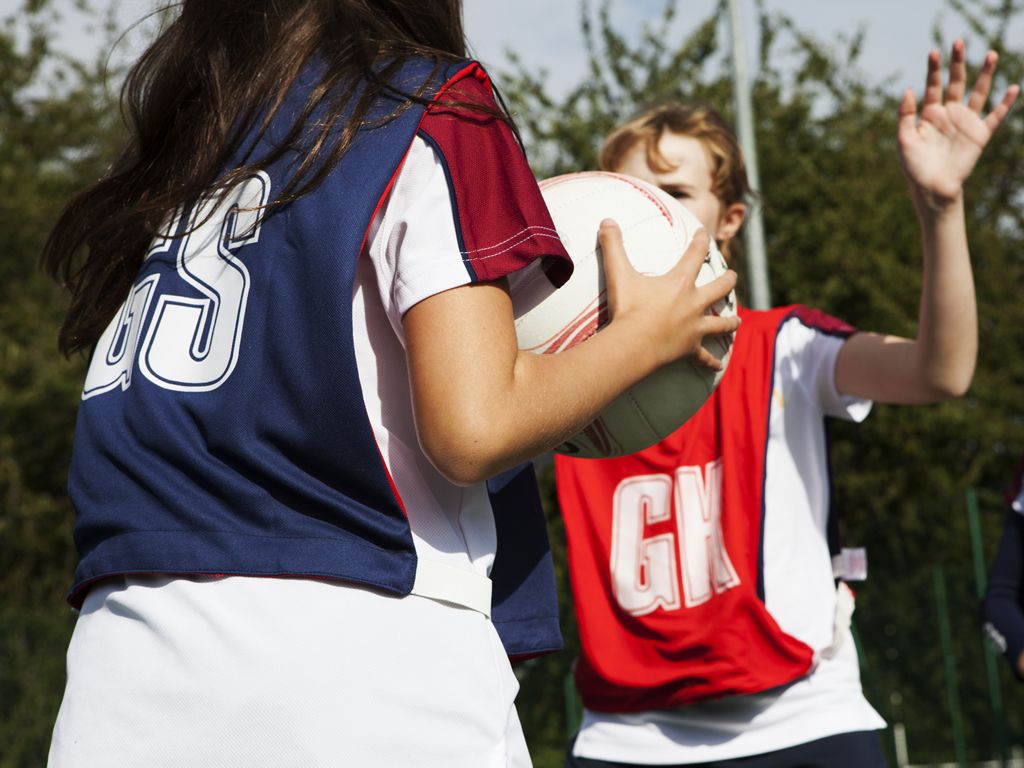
939	151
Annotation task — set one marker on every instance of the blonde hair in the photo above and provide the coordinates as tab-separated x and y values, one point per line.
699	121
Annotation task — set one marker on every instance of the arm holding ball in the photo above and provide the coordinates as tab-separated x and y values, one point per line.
482	405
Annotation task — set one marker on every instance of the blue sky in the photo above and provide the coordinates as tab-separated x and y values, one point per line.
546	33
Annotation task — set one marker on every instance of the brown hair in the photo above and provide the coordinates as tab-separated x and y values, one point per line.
728	171
221	68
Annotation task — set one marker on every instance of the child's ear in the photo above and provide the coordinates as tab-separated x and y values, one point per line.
731	221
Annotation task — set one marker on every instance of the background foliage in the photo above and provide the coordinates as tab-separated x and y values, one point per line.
58	128
841	236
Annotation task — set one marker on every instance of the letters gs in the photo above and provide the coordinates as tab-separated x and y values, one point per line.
187	343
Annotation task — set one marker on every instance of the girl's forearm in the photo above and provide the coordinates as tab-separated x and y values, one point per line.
509	406
947	336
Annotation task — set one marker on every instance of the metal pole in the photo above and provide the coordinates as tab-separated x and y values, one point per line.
757	263
995	693
573	705
899	737
949	663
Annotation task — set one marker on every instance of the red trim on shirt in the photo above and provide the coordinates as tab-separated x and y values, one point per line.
503	223
815	318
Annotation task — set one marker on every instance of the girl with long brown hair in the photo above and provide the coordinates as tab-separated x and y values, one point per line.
298	442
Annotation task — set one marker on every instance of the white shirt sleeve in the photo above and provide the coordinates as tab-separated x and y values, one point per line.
413	242
813	355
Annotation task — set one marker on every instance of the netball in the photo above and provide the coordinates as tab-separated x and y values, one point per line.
656	229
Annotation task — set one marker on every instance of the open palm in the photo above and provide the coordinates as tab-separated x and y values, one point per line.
939	151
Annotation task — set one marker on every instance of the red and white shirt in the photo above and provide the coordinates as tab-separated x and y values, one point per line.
701	567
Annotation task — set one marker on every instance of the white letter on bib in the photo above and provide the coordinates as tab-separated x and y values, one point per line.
644	571
114	358
192	344
706	564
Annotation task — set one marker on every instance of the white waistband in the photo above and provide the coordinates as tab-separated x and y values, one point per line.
453	585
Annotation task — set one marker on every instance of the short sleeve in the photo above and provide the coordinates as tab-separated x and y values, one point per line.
814	340
501	221
464	206
413	242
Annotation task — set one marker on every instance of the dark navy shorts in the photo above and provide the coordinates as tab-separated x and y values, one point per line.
859	749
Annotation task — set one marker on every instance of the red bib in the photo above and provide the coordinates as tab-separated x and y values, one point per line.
666	552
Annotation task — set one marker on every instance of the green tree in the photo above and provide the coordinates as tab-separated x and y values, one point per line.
58	126
841	236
